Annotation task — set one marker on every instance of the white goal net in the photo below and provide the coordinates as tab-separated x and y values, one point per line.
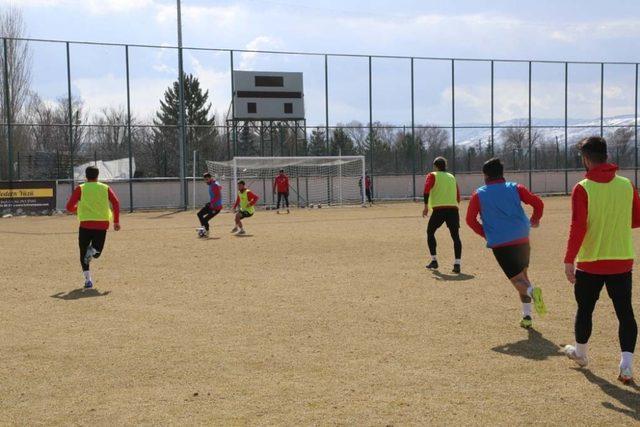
329	181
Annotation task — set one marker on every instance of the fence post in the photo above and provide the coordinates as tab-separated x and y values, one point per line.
7	109
234	136
529	132
413	133
566	123
126	53
371	144
492	116
453	115
636	131
601	99
70	112
326	103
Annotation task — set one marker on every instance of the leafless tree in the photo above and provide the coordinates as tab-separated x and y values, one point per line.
17	58
515	143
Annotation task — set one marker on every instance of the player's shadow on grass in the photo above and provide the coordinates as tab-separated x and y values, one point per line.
79	294
165	215
452	277
535	347
243	236
629	397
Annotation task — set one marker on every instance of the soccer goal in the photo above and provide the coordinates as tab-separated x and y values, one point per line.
313	181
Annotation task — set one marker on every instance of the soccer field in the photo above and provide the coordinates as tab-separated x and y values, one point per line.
324	316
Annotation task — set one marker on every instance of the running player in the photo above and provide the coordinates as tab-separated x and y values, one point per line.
605	207
213	207
442	195
96	204
506	228
244	206
281	184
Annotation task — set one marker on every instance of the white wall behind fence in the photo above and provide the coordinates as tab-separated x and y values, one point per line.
165	193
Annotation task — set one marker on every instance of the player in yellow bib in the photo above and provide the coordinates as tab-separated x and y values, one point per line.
441	195
244	207
605	207
96	205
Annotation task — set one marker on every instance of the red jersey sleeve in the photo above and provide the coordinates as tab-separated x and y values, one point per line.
528	198
472	215
252	197
429	182
578	229
635	218
115	205
72	204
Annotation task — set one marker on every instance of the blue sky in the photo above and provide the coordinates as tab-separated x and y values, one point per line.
557	30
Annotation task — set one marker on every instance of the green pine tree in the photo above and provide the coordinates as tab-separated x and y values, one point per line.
200	122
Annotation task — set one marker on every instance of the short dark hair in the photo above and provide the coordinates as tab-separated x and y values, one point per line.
206	175
241	182
281	170
440	163
493	168
594	149
92	172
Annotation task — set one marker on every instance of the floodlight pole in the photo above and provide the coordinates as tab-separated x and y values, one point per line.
181	117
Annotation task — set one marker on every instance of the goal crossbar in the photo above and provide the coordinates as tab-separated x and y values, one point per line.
313	179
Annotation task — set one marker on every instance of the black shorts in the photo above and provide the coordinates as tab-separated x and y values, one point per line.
450	216
513	259
245	214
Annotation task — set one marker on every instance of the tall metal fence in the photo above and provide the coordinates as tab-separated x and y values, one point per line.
87	101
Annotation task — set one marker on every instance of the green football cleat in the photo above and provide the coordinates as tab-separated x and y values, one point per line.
538	302
526	322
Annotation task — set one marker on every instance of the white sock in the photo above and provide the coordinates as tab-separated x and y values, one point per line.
526	309
457	262
581	349
530	291
626	359
87	275
434	258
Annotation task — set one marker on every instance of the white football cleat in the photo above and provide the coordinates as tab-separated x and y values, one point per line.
242	232
570	351
235	230
89	254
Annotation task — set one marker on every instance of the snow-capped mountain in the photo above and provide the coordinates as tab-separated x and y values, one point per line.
549	129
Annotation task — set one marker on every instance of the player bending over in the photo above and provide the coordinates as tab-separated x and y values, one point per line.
244	206
441	195
281	184
212	208
506	228
605	207
93	201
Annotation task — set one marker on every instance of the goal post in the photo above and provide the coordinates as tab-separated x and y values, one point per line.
321	180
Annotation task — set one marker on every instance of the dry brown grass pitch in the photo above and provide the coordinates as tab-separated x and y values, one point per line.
319	317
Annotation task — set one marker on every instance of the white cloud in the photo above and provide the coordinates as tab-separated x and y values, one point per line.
110	91
258	43
104	7
95	7
196	15
511	100
217	82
